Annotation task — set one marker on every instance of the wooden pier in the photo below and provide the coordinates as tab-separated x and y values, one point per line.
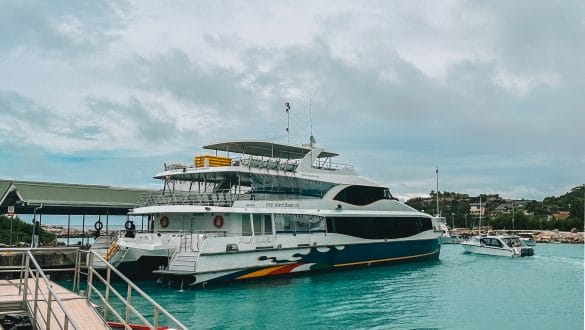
33	296
78	307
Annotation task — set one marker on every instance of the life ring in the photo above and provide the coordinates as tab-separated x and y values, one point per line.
98	225
128	225
218	221
164	222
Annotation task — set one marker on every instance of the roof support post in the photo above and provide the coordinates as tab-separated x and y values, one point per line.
83	231
68	226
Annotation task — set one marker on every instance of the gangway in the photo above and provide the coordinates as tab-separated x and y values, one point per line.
49	305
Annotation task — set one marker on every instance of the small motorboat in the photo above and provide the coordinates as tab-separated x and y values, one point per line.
508	246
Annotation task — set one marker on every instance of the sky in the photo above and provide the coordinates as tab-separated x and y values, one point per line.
490	92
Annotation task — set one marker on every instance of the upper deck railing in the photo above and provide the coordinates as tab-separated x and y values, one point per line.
212	199
181	198
277	164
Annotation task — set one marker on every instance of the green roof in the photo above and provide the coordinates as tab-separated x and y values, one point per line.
64	198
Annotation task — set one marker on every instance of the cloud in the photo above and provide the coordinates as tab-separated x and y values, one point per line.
59	27
489	91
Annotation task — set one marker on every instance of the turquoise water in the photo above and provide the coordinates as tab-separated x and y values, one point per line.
459	291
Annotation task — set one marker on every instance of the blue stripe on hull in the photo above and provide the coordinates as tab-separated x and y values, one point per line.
355	256
374	252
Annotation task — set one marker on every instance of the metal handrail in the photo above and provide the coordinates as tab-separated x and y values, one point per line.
39	274
130	310
203	199
214	199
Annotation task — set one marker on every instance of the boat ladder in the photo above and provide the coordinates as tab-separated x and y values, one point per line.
185	256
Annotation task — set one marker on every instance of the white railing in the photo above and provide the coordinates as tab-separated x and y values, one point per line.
214	199
181	198
106	298
35	294
47	309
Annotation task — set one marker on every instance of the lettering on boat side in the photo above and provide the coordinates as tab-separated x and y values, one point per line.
282	204
256	240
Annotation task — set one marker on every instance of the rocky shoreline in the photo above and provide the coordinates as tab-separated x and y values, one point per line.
551	236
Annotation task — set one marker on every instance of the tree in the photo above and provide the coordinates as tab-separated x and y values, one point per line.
21	232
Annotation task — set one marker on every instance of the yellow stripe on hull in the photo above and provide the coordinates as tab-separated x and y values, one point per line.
261	272
384	260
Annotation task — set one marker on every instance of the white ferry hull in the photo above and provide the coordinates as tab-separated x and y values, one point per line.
139	256
223	267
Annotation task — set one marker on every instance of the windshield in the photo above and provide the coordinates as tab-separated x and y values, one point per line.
512	242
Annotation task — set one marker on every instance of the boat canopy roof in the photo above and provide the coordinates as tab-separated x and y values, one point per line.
266	149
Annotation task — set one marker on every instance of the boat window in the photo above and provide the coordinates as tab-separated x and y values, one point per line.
378	228
298	223
362	195
316	224
491	242
267	225
257	224
283	223
262	224
246	226
301	223
512	242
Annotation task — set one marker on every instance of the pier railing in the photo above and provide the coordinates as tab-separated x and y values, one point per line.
111	295
41	292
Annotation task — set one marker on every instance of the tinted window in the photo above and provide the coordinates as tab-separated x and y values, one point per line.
362	195
378	228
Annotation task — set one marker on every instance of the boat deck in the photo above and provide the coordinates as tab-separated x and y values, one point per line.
79	308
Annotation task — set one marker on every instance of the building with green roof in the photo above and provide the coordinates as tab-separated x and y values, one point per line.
29	197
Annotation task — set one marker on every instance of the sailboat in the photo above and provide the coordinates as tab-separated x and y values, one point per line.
447	237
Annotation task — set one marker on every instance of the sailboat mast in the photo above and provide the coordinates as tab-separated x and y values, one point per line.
437	171
480	212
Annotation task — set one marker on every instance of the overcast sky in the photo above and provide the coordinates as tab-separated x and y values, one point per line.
491	92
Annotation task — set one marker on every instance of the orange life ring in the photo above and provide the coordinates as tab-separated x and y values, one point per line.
218	221
164	222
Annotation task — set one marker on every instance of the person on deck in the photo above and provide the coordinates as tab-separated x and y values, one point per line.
130	230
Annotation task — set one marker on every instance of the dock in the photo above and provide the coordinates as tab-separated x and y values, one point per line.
30	299
13	300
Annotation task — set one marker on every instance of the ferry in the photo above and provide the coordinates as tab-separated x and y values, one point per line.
254	209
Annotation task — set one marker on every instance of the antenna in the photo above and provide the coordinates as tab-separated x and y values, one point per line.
287	109
312	140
